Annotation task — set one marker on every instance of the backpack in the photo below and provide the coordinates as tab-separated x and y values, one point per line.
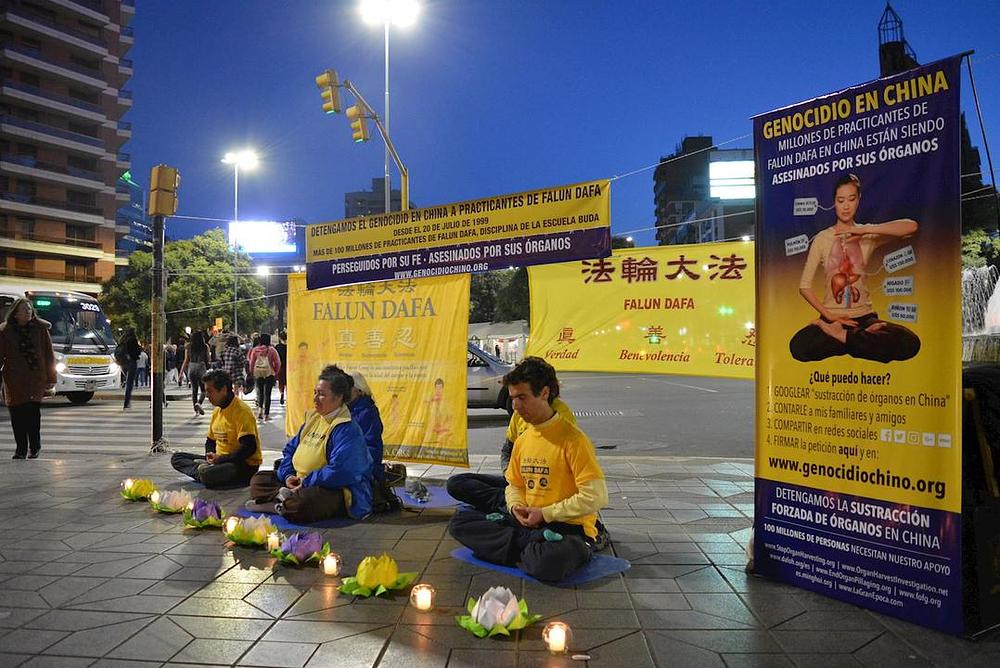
262	366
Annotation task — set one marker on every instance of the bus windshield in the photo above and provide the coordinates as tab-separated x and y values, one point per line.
74	321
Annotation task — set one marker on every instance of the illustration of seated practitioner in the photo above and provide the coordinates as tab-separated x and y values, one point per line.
555	489
847	323
232	447
325	469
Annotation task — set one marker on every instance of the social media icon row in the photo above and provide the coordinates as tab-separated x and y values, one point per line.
926	438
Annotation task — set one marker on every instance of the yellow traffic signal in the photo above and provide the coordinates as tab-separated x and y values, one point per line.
329	90
163	184
359	124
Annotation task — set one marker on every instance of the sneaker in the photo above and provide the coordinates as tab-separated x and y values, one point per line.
33	454
199	410
267	418
18	456
603	539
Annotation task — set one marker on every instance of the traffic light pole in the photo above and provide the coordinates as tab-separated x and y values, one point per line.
159	336
404	175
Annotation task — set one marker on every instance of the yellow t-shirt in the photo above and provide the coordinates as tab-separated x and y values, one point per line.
517	424
229	424
310	455
549	463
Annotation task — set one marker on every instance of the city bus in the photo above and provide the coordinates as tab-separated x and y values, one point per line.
81	338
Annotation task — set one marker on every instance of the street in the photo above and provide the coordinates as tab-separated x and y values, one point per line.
624	414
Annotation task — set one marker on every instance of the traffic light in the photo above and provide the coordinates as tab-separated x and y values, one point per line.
359	124
329	90
163	184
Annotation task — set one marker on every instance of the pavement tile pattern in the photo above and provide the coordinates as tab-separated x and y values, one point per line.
87	579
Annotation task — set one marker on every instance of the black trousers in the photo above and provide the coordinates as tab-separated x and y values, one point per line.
307	505
229	474
482	491
263	387
26	420
509	544
890	343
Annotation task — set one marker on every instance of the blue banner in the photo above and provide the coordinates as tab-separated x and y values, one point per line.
858	449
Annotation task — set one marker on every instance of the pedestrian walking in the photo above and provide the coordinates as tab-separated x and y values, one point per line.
264	365
233	362
179	357
29	372
169	362
142	368
127	355
195	364
282	377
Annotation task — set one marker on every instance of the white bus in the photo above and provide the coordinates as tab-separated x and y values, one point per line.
81	338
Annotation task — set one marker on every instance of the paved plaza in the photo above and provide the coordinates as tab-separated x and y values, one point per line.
88	579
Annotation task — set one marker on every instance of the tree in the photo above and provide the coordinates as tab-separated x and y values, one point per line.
980	249
199	279
513	302
483	295
622	242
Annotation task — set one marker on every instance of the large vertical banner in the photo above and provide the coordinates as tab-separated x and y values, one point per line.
667	309
408	339
858	457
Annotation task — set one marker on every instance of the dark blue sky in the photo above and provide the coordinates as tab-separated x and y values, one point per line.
491	97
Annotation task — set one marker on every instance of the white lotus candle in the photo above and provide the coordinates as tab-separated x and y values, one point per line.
273	541
331	564
422	597
155	497
127	484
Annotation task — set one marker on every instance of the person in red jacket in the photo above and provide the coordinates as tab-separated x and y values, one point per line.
264	366
29	371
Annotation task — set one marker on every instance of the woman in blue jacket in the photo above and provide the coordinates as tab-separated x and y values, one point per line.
325	469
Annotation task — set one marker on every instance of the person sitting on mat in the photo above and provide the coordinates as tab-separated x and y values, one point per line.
232	448
555	488
325	469
486	492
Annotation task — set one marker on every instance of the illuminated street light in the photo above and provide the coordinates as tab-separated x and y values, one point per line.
263	270
401	13
245	159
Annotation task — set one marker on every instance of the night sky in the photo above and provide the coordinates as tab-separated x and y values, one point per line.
492	97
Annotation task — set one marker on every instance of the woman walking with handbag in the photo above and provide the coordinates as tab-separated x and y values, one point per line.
29	371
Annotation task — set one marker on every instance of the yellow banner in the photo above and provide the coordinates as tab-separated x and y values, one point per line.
542	226
665	309
408	339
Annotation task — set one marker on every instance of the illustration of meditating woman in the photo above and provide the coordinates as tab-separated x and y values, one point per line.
848	324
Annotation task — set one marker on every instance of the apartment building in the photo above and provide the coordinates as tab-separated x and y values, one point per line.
63	94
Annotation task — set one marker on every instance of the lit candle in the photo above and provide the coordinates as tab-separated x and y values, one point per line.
127	484
231	524
331	564
155	497
422	597
273	541
555	636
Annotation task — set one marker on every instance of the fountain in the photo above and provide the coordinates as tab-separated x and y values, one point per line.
981	315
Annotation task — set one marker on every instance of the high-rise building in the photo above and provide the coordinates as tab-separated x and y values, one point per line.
371	202
703	193
62	97
132	216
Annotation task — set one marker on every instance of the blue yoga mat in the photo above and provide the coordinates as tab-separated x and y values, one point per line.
281	523
439	498
599	566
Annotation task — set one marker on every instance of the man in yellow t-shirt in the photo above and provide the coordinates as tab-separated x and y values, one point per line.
232	446
555	488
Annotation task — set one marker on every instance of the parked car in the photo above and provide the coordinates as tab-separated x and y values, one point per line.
485	380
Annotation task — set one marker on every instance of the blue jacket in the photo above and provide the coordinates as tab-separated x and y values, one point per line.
365	413
348	465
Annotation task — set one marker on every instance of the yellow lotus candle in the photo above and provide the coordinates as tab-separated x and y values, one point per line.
556	636
230	524
422	597
273	541
330	564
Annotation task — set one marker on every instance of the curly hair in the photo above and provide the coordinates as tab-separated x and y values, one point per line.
537	373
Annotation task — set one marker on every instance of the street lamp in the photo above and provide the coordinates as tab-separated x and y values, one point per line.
402	13
265	271
245	159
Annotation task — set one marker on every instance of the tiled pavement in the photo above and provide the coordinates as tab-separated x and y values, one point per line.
87	579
